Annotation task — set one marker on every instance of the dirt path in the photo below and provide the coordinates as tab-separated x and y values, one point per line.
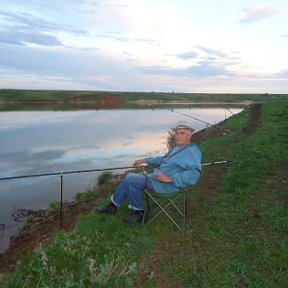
41	231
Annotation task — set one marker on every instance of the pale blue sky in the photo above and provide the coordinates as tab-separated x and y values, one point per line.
145	45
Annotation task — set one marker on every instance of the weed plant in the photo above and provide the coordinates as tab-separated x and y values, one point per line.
104	177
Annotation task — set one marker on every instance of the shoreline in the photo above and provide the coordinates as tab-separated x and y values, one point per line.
69	208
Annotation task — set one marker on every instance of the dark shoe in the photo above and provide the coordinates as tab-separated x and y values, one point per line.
109	209
137	217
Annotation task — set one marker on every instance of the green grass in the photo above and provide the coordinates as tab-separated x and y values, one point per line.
13	99
95	254
236	236
62	95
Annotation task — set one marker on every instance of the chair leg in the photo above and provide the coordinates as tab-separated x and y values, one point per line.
184	211
145	216
163	209
146	208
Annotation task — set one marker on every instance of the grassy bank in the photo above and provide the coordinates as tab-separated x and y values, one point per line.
13	95
236	235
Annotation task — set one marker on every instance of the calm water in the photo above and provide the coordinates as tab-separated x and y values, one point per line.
35	142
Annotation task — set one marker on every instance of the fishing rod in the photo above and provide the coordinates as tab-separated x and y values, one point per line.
172	110
230	111
2	228
216	163
61	173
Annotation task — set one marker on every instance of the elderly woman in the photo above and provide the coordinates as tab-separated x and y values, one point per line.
180	167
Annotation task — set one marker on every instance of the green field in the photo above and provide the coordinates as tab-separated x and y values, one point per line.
12	95
237	234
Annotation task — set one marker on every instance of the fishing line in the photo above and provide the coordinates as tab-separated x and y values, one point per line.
172	110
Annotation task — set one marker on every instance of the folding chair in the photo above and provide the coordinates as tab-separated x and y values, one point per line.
163	202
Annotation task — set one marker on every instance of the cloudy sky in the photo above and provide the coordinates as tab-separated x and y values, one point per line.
145	45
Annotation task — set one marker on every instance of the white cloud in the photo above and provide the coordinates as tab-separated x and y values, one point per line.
142	45
259	12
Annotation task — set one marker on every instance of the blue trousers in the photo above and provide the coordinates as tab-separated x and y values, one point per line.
131	188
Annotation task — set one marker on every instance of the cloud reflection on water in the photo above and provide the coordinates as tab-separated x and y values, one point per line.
47	138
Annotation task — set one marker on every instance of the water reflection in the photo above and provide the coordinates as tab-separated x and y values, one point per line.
34	142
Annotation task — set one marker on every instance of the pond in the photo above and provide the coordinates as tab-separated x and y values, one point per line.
35	142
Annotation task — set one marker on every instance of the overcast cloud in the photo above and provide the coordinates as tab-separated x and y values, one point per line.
145	45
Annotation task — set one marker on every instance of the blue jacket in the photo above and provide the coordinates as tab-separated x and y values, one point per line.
183	167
